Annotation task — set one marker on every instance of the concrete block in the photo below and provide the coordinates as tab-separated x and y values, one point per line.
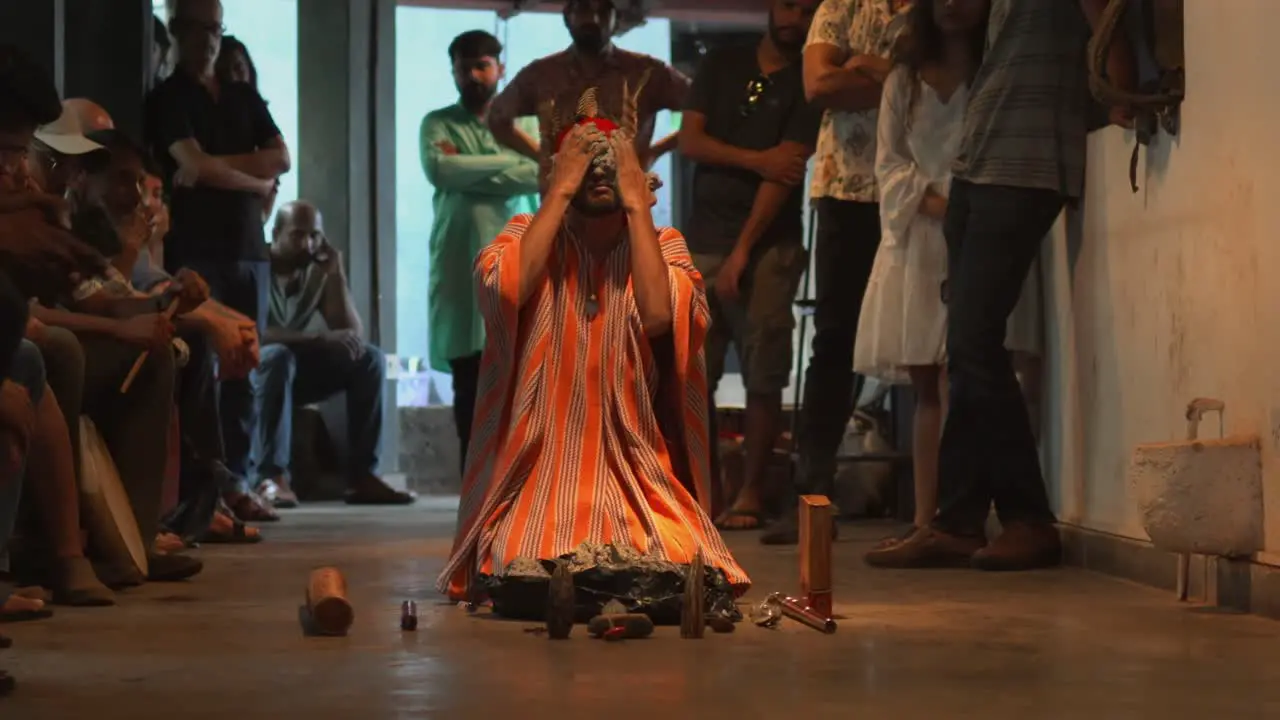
1200	496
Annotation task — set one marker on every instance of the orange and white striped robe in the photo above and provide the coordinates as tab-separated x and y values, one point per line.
584	430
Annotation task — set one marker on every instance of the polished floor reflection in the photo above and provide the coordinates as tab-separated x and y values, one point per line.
945	644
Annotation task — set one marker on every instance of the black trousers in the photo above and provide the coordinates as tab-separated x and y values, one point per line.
988	453
466	382
243	286
845	245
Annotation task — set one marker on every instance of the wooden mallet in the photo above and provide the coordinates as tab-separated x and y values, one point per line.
142	357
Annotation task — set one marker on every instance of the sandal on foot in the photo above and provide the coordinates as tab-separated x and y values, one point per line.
723	526
239	535
36	610
891	541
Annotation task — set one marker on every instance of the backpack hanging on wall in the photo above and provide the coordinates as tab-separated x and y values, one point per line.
1158	27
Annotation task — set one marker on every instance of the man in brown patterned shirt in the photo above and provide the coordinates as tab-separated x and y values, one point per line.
591	61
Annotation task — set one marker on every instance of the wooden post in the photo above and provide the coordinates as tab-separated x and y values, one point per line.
815	552
327	603
693	619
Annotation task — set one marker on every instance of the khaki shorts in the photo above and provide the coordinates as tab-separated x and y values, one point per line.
760	323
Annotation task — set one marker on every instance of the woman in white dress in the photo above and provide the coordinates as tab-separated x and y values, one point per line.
902	328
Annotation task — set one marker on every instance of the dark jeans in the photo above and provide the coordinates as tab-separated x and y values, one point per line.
988	453
202	474
466	381
305	373
244	287
848	235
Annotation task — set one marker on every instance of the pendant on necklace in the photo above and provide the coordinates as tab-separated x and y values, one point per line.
593	306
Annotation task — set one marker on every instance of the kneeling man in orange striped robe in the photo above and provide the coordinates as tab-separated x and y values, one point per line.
590	437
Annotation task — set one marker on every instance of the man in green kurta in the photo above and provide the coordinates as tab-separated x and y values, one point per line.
480	185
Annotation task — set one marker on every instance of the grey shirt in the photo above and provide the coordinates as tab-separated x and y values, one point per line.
1029	105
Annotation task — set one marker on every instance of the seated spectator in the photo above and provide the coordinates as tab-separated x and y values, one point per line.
312	350
49	264
117	190
50	486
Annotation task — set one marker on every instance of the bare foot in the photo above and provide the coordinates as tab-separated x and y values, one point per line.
744	514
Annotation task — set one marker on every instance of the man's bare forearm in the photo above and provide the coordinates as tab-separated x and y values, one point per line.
698	146
283	336
536	242
267	164
770	197
75	322
649	282
848	91
505	132
216	172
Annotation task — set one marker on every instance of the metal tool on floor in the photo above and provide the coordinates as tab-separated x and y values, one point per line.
328	609
769	614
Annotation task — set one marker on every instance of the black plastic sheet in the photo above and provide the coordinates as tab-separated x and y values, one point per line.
642	584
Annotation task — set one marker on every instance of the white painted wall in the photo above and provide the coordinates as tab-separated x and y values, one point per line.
1172	293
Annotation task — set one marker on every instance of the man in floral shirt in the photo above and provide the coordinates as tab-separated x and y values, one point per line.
845	64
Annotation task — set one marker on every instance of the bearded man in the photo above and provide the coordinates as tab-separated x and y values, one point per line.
479	186
591	442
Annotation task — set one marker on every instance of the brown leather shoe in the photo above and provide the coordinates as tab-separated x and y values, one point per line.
926	548
1022	546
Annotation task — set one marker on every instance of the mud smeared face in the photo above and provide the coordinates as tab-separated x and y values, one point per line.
598	194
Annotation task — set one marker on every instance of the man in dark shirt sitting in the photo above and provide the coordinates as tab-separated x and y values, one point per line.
751	132
222	153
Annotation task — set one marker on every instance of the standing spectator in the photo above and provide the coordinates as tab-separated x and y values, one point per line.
222	153
235	64
478	185
746	230
845	65
1021	158
556	82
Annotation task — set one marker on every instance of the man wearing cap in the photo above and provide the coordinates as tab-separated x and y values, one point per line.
590	435
592	61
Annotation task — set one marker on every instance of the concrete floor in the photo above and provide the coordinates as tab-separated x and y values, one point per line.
939	644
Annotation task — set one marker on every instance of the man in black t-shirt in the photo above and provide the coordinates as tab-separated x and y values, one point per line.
221	153
750	130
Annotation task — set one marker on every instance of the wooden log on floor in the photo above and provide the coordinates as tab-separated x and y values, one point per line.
816	517
327	604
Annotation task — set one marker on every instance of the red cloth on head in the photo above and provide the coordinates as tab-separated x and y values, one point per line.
605	126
